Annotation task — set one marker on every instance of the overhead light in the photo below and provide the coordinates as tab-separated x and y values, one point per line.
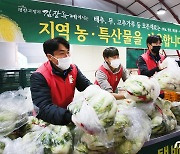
161	11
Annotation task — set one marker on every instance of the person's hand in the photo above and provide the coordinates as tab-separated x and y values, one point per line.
120	95
161	67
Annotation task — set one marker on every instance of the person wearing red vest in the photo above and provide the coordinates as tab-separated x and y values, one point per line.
150	62
109	74
54	82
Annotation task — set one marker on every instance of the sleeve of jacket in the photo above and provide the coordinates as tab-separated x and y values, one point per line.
81	81
41	97
143	68
125	74
102	80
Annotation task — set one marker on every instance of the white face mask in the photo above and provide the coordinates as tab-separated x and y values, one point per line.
64	63
115	63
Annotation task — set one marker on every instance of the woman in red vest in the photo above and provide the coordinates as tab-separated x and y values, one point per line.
53	84
110	73
149	62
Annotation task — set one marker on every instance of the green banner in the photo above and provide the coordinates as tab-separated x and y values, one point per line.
33	21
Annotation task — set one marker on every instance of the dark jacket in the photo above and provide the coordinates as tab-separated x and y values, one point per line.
41	97
142	66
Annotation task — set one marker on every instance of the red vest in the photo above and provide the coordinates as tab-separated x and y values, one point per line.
150	62
62	91
113	79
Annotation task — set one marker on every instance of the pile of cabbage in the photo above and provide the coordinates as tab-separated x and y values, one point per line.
102	124
38	136
144	92
130	130
141	88
120	123
163	120
15	107
169	78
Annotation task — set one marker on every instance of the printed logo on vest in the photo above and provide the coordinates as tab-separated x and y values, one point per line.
116	78
71	79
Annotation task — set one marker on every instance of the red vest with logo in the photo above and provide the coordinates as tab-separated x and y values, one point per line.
150	62
62	90
113	79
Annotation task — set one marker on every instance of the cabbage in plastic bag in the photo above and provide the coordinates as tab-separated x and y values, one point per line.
169	79
140	88
20	146
129	132
101	101
176	111
162	120
54	139
135	127
15	107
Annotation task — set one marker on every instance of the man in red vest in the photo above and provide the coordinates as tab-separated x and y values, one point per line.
110	73
53	84
149	62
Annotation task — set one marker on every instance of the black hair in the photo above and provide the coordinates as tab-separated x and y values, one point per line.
153	39
52	45
110	52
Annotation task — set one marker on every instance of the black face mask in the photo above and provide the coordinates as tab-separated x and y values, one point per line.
156	49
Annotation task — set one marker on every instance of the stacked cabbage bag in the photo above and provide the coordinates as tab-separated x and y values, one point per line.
94	111
169	78
15	107
121	128
128	134
175	108
130	130
140	88
163	119
145	91
39	137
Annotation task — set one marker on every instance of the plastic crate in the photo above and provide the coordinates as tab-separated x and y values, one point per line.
14	79
25	75
172	96
9	80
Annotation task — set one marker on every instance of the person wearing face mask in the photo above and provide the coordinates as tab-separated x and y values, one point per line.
54	82
150	62
109	74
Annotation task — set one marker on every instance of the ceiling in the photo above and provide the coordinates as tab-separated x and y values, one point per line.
148	9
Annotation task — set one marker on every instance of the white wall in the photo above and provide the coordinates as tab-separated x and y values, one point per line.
89	58
34	53
8	58
172	54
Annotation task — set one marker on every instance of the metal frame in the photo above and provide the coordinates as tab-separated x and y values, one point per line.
170	10
149	9
146	7
119	5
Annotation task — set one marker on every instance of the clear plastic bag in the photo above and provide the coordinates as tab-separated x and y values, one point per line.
169	78
175	108
134	126
87	119
101	102
162	120
140	88
15	107
22	147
